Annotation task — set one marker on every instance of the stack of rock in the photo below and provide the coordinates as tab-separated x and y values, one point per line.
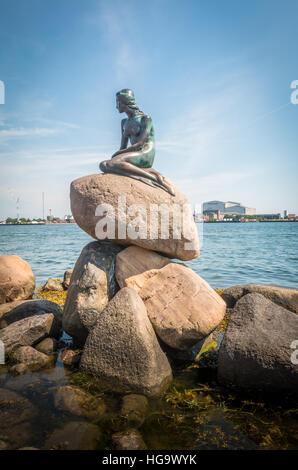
128	302
29	329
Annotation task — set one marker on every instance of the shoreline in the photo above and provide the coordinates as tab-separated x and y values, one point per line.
41	223
197	222
245	221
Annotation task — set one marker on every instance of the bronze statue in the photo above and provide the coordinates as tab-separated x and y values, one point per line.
137	159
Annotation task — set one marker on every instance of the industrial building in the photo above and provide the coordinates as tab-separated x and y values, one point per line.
229	207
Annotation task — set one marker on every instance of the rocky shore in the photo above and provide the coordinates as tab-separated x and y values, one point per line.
134	314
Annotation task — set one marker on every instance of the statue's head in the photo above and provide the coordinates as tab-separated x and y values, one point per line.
125	99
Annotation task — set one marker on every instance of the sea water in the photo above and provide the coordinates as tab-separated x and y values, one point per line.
231	253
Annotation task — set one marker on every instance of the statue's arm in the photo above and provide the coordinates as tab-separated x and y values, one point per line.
143	136
124	138
124	141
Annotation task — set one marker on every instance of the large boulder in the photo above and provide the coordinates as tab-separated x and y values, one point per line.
17	281
30	308
29	331
182	307
93	284
287	298
131	212
135	265
256	350
122	349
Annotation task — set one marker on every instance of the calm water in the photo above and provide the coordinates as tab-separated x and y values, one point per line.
259	253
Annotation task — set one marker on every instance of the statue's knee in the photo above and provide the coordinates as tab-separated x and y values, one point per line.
103	166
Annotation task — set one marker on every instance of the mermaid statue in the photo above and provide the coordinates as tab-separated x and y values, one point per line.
135	160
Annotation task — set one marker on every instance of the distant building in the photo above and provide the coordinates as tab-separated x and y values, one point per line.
291	216
229	207
285	213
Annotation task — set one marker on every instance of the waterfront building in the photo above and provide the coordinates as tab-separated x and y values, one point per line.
229	207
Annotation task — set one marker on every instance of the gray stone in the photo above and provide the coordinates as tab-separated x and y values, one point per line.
30	308
135	265
18	369
17	281
256	350
47	346
287	298
76	435
67	278
122	349
34	360
128	440
79	403
88	192
52	285
93	284
4	308
70	357
29	331
134	409
182	307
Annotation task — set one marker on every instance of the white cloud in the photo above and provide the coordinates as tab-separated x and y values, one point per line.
24	132
47	162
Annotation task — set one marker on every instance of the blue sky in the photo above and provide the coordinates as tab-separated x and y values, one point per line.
214	76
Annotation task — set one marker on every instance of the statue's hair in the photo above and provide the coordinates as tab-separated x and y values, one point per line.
127	97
